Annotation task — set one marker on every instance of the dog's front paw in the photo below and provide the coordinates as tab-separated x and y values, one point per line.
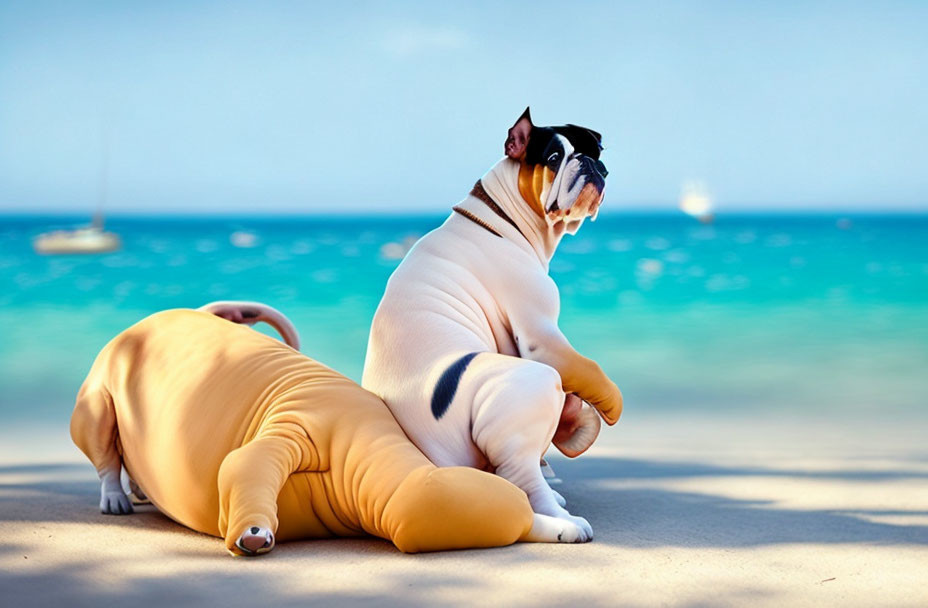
585	530
115	502
566	529
255	541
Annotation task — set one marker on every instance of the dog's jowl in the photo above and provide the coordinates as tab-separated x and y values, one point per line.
465	347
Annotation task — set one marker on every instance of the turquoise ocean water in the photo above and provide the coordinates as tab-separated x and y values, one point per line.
804	313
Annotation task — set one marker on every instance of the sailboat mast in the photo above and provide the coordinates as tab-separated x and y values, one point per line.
102	183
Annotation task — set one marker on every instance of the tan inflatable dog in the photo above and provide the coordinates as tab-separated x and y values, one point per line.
234	434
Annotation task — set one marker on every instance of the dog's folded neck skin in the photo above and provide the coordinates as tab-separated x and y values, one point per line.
502	184
550	180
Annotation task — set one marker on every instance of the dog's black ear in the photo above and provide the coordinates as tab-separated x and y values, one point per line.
517	138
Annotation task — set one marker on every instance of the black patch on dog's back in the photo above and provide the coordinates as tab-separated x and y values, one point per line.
448	385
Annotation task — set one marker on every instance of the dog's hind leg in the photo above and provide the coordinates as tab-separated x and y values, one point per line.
518	407
93	429
250	480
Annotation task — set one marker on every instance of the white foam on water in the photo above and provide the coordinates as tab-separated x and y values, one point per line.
302	248
578	246
779	240
243	239
745	238
324	275
676	256
619	245
123	289
657	243
650	266
276	253
206	246
704	233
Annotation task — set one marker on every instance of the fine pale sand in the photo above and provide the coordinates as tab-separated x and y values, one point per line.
686	511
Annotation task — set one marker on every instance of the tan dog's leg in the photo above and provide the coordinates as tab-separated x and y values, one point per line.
455	508
250	480
93	429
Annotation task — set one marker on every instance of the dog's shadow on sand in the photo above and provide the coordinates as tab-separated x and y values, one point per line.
625	512
605	490
624	499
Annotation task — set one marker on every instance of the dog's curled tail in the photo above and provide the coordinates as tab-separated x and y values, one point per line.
249	313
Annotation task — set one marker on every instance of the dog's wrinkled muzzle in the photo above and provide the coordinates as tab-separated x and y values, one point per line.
594	171
586	205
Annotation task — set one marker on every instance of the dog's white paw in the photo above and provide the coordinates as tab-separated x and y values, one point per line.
255	541
561	501
567	529
575	530
115	502
586	530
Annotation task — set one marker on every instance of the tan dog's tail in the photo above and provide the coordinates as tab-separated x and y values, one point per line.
249	313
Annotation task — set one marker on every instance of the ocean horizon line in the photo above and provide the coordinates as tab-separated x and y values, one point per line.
663	213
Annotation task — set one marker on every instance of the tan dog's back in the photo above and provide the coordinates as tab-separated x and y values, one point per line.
176	422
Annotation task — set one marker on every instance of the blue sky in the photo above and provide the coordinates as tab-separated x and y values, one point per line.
363	107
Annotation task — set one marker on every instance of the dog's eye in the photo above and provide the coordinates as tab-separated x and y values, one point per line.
554	161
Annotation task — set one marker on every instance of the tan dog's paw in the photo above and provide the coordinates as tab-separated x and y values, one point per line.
255	541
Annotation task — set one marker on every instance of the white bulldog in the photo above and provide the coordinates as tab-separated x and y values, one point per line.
465	348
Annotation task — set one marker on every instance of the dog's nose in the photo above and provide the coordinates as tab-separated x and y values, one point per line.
595	171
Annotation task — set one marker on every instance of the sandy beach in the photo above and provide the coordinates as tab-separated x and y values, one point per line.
724	511
730	198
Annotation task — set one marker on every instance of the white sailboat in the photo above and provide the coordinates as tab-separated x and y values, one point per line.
86	239
695	201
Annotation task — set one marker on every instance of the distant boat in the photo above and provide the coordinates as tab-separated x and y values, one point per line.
86	239
695	201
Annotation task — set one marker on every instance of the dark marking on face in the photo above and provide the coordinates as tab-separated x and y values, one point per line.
543	144
595	172
447	385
